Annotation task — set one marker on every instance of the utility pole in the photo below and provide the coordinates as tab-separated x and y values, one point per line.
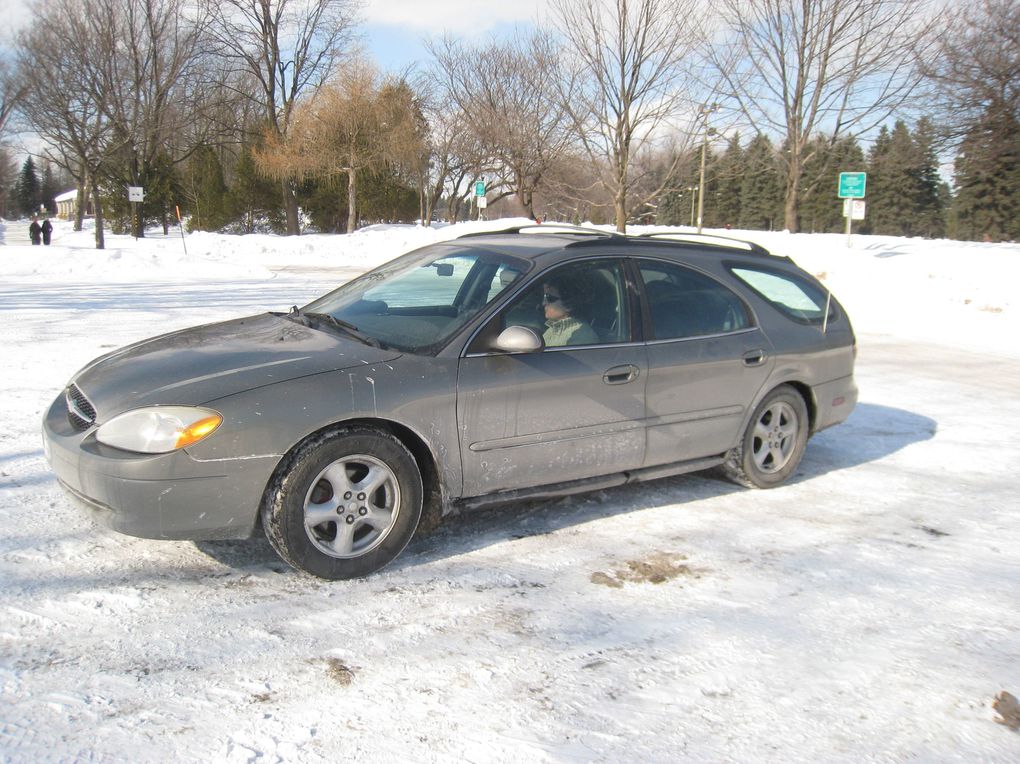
704	111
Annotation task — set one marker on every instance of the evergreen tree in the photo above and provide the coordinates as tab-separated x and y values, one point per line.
987	175
711	189
387	197
727	173
891	182
161	190
256	203
931	191
821	209
761	187
675	203
49	189
324	203
205	191
670	209
26	192
903	183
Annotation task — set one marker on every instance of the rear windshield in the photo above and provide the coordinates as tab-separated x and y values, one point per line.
791	295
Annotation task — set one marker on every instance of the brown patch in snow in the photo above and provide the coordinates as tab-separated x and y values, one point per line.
657	568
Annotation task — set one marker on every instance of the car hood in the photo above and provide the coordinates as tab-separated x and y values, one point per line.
198	365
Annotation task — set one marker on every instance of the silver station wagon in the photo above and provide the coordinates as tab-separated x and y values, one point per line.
537	361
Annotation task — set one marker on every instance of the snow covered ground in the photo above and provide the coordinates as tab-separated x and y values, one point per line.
868	610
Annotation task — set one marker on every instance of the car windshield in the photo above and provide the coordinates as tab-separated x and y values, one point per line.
417	302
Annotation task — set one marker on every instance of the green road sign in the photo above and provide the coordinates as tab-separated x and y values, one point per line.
852	185
480	188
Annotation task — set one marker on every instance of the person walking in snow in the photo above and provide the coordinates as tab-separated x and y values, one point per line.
47	230
35	230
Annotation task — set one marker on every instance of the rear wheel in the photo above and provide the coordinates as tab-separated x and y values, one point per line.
773	442
345	504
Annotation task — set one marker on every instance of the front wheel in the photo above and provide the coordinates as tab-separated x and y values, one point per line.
773	442
344	504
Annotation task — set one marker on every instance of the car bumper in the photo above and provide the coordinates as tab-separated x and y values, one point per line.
157	496
834	401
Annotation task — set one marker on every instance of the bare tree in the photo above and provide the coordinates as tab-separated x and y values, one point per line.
797	68
977	69
290	48
629	84
454	158
53	58
144	82
506	97
12	90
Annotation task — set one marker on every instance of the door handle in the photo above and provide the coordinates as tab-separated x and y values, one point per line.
754	358
621	375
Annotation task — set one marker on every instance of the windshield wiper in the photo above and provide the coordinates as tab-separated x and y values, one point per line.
337	323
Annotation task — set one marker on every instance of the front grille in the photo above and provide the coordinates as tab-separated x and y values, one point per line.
80	411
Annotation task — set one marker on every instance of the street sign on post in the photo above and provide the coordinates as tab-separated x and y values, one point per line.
136	194
852	185
480	188
854	208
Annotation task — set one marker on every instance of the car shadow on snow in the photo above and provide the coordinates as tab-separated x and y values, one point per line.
872	432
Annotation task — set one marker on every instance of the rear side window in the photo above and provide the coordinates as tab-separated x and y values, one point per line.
795	297
684	303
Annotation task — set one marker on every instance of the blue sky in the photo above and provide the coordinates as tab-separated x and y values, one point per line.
393	30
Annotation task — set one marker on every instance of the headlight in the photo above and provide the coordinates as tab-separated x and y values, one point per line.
159	429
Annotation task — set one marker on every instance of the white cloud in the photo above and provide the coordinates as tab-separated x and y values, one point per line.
15	14
455	16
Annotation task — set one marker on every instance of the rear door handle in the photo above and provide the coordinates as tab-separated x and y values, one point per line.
621	375
754	358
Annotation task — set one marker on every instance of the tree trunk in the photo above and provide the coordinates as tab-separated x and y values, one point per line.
291	205
620	204
790	221
100	239
352	208
138	220
527	201
81	202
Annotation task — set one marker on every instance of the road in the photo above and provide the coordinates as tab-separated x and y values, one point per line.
867	610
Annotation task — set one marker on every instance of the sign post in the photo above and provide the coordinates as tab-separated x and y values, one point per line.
480	199
180	224
136	194
852	187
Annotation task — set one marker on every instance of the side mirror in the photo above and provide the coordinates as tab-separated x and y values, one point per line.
518	339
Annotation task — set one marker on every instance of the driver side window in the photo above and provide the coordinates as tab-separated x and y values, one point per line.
580	303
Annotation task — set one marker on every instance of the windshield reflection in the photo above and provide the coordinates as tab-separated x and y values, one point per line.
417	302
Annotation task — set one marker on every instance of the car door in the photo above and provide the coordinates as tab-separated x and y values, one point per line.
567	411
706	362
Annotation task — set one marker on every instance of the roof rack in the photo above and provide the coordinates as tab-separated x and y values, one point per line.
712	240
551	228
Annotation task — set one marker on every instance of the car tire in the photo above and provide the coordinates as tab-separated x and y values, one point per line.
773	442
344	503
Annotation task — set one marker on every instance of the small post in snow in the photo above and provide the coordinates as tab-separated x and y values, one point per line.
180	225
